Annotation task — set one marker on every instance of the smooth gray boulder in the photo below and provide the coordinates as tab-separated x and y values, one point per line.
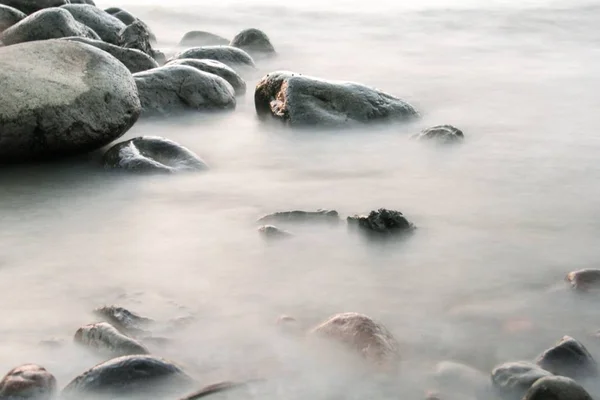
273	232
133	59
105	339
104	24
320	215
126	321
231	56
556	388
62	98
513	379
584	280
9	16
201	38
300	100
254	42
29	381
128	18
137	35
441	133
455	380
52	23
569	358
177	88
90	2
31	6
382	221
217	68
152	154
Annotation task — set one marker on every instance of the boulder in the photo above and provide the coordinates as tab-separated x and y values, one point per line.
53	23
159	57
9	16
133	59
28	382
302	216
152	154
568	358
90	2
62	98
300	100
105	338
272	232
231	56
104	24
441	133
136	36
177	88
513	379
382	221
454	380
214	388
127	18
126	321
556	388
201	38
216	68
254	42
31	6
584	279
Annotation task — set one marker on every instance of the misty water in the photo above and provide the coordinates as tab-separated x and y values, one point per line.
501	218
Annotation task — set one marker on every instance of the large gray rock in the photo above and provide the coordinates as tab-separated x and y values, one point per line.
570	358
176	88
556	388
152	154
584	279
201	38
104	24
127	18
513	379
441	133
133	59
31	6
217	68
106	339
231	56
90	2
137	36
61	98
254	42
126	321
382	221
303	100
52	23
456	381
28	382
9	16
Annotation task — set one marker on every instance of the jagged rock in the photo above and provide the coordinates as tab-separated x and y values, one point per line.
272	232
514	379
9	16
28	382
201	38
228	55
126	321
31	6
568	358
584	279
382	221
302	216
216	68
106	338
556	388
254	42
104	24
441	133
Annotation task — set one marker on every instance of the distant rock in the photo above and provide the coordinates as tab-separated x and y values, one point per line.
104	24
105	338
512	380
441	133
254	42
53	23
568	358
454	380
320	215
31	6
174	89
217	68
127	18
584	279
201	38
28	382
382	221
272	232
152	154
126	321
90	2
556	388
9	16
231	56
300	100
62	98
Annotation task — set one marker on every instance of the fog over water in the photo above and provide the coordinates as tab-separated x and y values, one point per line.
501	218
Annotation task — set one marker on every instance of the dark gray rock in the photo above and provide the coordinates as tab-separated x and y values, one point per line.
254	42
329	216
382	221
52	23
568	358
159	57
62	98
272	232
28	382
584	279
133	59
176	88
215	388
217	68
127	18
441	133
90	2
152	154
556	388
136	36
106	339
300	100
104	24
512	380
231	56
126	321
31	6
455	380
201	38
9	16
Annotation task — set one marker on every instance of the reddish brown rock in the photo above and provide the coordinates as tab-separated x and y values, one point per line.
28	381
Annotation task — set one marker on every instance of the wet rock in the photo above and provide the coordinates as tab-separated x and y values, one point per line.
254	42
300	100
174	89
53	343
127	18
321	215
441	133
124	320
107	339
201	38
31	6
104	24
382	221
90	2
9	16
228	55
52	23
62	98
584	279
214	388
28	382
272	232
456	380
568	358
130	375
133	59
216	68
136	36
514	379
152	154
556	388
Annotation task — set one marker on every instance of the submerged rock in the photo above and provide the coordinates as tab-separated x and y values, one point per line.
556	388
28	382
31	6
9	16
302	216
152	154
272	232
228	55
201	38
441	133
107	339
254	42
458	381
514	379
303	100
104	24
568	358
62	98
216	68
177	88
584	279
382	221
124	320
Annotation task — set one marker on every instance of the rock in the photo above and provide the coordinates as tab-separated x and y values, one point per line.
201	38
514	379
300	100
177	88
231	56
456	380
107	339
90	2
136	36
127	18
254	42
216	68
31	6
9	16
52	23
159	56
382	221
272	232
556	388
584	279
369	338
568	358
152	154
133	59
125	321
104	24
330	216
28	381
214	388
130	375
62	98
442	133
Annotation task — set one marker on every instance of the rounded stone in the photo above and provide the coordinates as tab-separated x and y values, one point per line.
9	16
201	38
106	338
556	388
216	68
253	41
584	279
514	379
382	221
28	382
104	24
441	133
228	55
31	6
272	232
569	358
320	215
